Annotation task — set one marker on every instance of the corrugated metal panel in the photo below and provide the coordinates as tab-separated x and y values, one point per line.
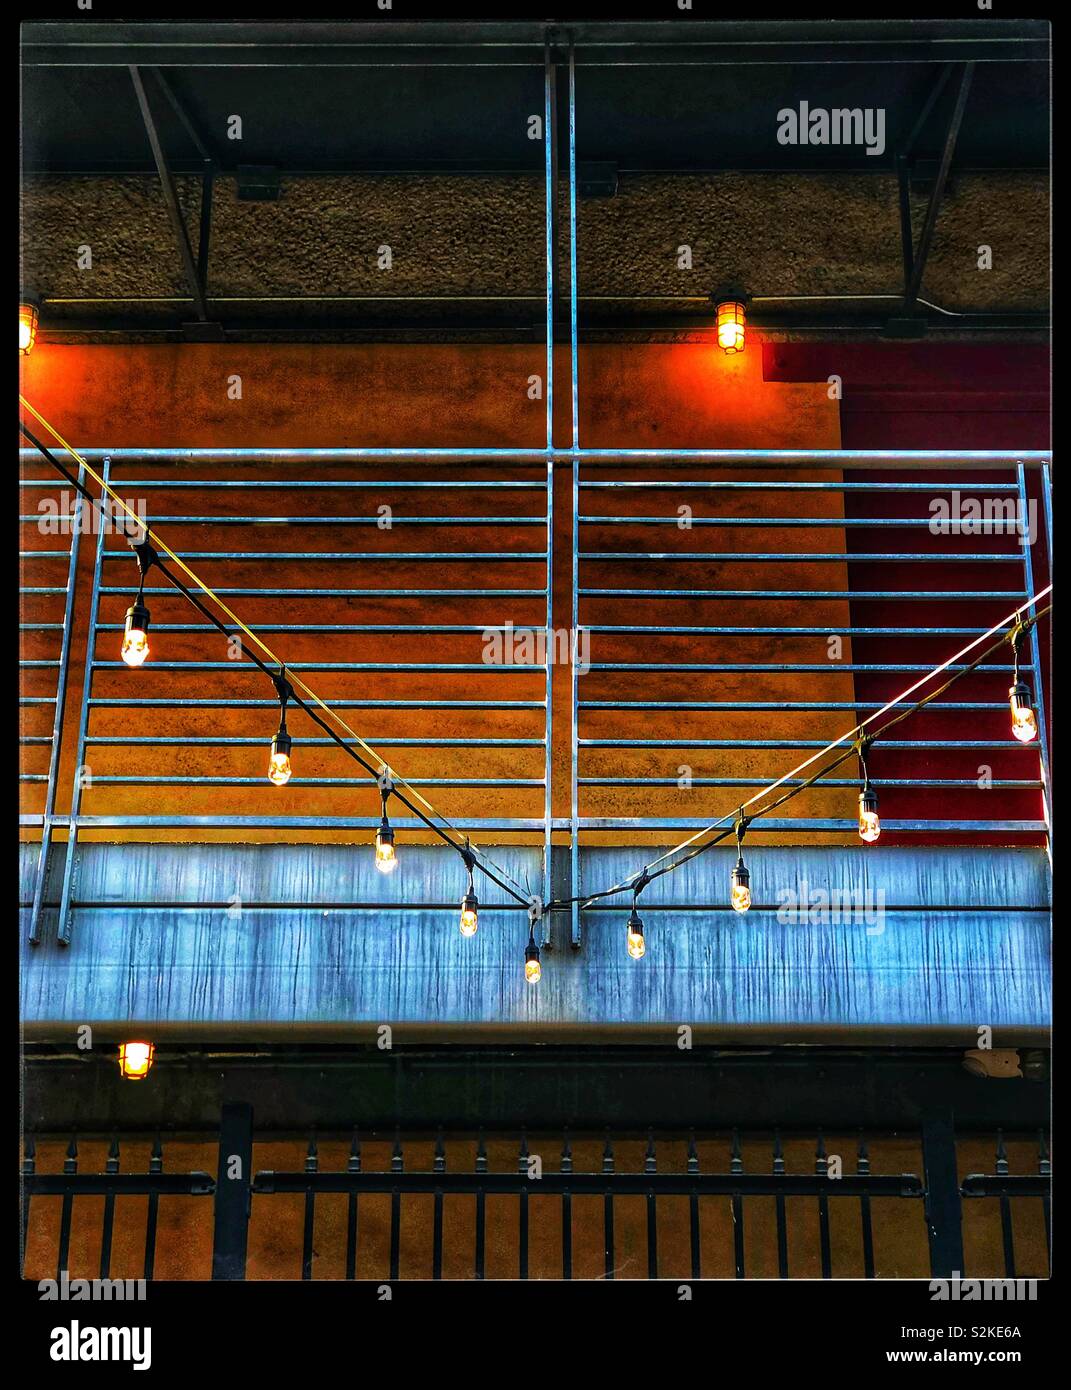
392	964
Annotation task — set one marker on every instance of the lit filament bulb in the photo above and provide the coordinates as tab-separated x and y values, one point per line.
386	859
136	635
1024	720
533	971
469	914
279	763
636	946
731	320
27	327
869	820
740	897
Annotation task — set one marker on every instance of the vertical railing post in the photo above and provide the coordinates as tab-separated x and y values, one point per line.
57	719
944	1221
234	1179
574	722
65	923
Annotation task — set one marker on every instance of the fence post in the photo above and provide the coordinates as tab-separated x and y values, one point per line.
234	1179
942	1203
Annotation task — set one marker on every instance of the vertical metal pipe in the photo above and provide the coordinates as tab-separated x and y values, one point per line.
156	1165
550	122
574	730
64	924
57	722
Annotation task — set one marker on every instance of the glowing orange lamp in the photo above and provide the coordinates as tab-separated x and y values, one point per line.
135	1060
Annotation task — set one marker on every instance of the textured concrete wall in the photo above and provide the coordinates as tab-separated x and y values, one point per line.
829	234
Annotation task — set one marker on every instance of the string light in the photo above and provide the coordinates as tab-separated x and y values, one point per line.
135	647
869	820
533	971
470	904
279	762
636	946
1024	720
135	1060
386	855
740	882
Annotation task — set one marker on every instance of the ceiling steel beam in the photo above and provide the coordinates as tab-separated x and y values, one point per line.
918	268
174	212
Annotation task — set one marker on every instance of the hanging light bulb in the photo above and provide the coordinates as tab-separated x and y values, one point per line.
636	946
136	633
470	907
28	314
740	896
135	1060
1024	720
386	857
740	882
279	764
869	820
533	971
731	321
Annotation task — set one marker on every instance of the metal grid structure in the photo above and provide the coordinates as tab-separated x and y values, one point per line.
940	1189
949	464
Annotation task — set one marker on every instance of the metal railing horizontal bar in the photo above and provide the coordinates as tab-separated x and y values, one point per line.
161	781
119	1184
310	904
312	556
879	595
801	557
44	554
790	705
307	484
40	627
384	627
941	743
733	485
1021	783
652	909
43	589
36	663
312	822
563	823
354	666
839	523
1006	1185
335	593
375	521
762	824
37	699
215	741
786	668
744	631
794	458
216	703
596	1184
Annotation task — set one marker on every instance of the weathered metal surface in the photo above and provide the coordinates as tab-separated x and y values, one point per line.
961	941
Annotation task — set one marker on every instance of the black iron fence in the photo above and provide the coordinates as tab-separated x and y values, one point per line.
239	1188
